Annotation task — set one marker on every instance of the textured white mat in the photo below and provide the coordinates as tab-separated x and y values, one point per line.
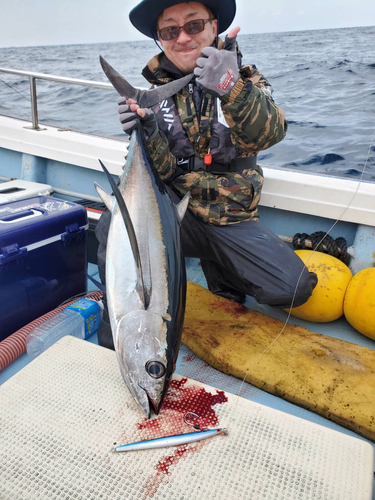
62	415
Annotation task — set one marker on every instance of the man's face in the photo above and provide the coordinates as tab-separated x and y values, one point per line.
184	50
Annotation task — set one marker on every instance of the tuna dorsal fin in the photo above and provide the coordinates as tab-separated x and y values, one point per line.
181	207
145	98
131	233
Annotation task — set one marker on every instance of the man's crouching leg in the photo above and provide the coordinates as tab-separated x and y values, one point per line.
251	259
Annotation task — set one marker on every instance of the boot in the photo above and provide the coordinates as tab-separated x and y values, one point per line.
234	295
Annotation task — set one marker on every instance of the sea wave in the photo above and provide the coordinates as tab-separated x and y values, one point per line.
323	79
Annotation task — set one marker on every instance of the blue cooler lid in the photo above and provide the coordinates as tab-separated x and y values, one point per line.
39	218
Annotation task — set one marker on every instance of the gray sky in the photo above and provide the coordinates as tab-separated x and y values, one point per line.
57	22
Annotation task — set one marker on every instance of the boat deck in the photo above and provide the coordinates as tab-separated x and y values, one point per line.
189	365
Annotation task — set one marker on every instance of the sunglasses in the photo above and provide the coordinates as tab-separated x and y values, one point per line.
191	28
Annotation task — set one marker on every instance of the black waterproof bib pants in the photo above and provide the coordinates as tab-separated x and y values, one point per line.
246	257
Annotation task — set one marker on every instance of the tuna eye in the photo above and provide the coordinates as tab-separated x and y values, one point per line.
155	369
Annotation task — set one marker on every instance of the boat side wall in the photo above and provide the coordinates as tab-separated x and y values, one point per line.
64	150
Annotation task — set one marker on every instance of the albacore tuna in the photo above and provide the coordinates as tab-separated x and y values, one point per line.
145	268
145	276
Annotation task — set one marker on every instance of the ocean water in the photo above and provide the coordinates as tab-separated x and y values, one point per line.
323	79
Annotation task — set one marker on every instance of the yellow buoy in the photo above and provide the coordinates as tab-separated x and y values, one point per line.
359	303
327	300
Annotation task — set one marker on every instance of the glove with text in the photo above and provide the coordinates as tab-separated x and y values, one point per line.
217	70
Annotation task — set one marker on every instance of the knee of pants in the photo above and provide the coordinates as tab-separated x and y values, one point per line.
297	293
303	291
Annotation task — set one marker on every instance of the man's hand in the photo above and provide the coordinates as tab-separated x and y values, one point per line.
130	114
217	70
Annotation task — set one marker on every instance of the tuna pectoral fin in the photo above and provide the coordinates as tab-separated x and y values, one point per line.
131	234
107	199
181	207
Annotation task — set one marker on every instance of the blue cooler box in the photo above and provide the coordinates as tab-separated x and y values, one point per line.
43	258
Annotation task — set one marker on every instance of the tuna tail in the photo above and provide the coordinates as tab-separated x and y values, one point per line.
144	296
145	98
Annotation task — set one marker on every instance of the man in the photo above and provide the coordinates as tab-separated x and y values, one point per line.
205	140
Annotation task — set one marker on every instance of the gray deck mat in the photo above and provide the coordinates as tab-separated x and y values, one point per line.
63	413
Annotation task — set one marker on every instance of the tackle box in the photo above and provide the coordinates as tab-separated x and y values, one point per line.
18	189
43	258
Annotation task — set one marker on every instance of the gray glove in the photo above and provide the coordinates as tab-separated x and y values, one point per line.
130	119
217	70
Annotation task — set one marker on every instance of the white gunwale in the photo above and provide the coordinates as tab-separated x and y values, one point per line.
290	190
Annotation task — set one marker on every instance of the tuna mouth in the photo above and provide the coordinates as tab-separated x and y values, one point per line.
151	403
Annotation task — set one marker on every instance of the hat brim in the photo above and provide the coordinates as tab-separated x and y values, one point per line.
144	16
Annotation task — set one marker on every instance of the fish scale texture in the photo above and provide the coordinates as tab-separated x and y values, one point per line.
63	414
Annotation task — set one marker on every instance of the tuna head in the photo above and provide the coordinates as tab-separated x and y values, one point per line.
141	347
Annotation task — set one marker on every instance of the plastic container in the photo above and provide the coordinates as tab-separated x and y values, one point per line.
80	319
43	258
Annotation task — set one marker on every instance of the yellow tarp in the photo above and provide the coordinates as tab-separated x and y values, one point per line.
328	376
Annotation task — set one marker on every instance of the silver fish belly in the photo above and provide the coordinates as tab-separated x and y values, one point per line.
145	280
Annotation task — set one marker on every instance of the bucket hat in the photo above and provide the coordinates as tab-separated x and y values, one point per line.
144	16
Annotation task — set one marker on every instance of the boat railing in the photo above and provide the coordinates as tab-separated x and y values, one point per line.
33	77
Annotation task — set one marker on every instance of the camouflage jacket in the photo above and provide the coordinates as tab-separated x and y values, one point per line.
256	123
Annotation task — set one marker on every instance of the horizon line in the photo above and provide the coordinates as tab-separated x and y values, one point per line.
150	40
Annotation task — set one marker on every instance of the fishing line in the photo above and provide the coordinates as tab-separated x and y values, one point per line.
18	92
299	279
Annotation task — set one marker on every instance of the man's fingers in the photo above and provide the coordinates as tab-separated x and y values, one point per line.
125	100
133	107
129	122
123	108
141	112
136	109
200	62
234	32
206	53
121	100
231	39
198	71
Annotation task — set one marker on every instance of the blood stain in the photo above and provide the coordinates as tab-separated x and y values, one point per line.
149	424
179	400
164	464
230	307
188	358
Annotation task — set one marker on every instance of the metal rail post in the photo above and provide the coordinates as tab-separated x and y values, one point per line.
33	76
34	106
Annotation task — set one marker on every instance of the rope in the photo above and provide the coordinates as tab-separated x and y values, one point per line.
14	346
324	243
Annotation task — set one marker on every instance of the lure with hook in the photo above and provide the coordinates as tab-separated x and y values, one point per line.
189	419
175	440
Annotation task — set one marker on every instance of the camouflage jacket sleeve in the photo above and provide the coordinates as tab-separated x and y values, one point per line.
257	123
162	157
